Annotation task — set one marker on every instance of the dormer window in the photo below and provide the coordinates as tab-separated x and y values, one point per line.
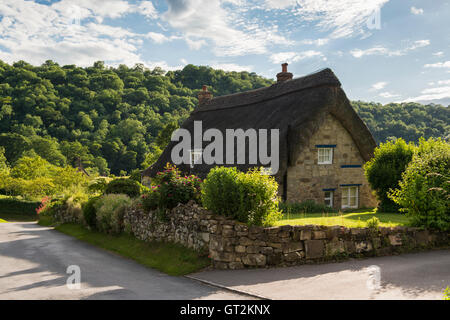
325	153
195	157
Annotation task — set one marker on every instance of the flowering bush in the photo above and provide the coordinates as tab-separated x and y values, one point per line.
172	188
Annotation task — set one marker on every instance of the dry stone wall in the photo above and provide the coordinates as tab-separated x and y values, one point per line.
233	245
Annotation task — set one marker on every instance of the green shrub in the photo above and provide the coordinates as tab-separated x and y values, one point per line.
129	187
136	175
150	200
424	191
89	212
384	170
247	197
307	206
373	223
110	209
98	185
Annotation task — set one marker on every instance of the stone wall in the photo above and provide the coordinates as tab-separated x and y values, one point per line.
233	245
307	179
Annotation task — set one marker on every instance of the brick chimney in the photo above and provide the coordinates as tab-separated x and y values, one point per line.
284	75
204	96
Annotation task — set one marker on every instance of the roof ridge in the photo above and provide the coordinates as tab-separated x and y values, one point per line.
318	79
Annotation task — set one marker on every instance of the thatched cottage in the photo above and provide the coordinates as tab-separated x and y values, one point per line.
323	143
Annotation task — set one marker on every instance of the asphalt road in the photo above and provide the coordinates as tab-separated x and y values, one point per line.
34	261
422	275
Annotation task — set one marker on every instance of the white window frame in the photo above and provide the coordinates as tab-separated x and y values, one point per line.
195	157
330	198
346	194
330	158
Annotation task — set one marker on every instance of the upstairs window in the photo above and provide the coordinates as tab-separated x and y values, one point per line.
325	156
195	157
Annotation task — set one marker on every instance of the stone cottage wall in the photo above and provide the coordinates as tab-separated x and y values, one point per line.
307	179
233	245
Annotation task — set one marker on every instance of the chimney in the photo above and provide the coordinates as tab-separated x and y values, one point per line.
204	96
284	75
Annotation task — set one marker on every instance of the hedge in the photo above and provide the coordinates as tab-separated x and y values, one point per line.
18	206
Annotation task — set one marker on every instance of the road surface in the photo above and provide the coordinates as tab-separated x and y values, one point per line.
34	261
422	275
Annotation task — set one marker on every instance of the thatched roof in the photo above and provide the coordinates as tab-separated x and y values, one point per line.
296	107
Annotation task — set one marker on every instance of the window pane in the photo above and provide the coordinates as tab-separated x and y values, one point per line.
353	192
352	202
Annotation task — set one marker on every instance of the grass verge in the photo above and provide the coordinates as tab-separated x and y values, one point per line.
2	221
353	219
170	258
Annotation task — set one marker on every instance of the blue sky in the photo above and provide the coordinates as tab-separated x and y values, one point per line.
381	50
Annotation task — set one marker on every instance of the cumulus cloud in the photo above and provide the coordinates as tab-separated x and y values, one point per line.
69	31
380	50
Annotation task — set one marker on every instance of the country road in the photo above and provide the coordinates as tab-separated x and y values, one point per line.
34	260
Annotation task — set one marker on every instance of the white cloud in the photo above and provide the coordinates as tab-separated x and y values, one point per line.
430	94
380	50
438	54
445	65
416	11
69	32
195	44
159	37
378	86
294	56
231	67
388	95
344	18
207	20
163	65
318	42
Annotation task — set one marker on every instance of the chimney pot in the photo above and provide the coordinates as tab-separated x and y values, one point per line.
284	74
204	95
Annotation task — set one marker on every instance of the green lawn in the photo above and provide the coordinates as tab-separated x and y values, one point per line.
1	221
353	219
170	258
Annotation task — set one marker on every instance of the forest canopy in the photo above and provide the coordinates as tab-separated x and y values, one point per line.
114	120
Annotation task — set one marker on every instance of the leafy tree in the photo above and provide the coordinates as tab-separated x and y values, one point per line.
384	170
